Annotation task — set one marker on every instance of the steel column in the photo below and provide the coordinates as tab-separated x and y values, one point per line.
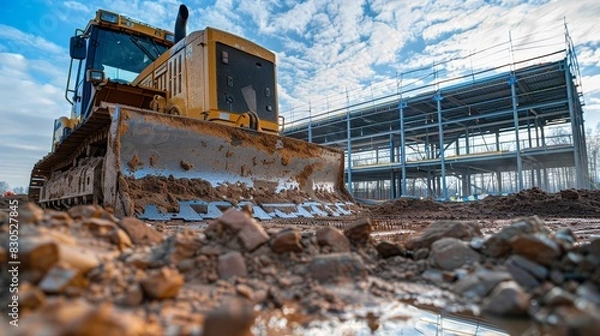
512	81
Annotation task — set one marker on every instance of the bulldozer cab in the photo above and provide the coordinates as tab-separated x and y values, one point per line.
112	48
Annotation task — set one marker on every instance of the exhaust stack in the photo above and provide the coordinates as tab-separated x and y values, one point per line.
181	22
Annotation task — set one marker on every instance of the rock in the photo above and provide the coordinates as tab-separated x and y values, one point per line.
105	320
180	246
132	297
569	194
359	231
388	249
558	297
337	266
235	220
139	232
594	247
30	297
433	275
567	236
252	236
164	284
30	213
480	283
334	238
536	247
507	299
525	272
421	253
57	280
498	245
78	258
98	226
452	253
57	218
234	318
232	264
590	292
573	320
286	240
444	229
121	239
86	211
245	290
37	253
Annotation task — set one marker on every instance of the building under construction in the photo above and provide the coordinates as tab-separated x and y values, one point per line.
497	129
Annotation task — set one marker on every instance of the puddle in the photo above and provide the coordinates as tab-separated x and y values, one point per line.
389	319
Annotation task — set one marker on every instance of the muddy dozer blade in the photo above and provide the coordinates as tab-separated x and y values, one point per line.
181	168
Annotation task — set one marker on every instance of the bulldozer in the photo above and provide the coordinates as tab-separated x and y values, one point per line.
176	126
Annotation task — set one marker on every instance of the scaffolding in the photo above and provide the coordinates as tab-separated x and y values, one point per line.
454	130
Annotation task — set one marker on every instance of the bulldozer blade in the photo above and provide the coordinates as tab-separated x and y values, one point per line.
172	167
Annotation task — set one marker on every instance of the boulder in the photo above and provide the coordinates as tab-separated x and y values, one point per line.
234	318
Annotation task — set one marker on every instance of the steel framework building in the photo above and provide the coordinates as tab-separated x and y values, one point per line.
500	129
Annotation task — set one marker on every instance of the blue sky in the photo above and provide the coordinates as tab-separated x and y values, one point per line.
324	48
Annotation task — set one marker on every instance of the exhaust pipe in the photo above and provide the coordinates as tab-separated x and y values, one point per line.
181	22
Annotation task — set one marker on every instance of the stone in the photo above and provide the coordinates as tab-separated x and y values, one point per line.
132	297
433	275
30	213
98	226
30	297
444	229
594	247
451	253
558	297
569	194
252	235
139	232
121	239
232	264
57	280
507	299
421	253
480	283
575	320
164	284
38	253
388	249
536	247
78	258
181	245
334	238
336	267
359	231
590	292
234	318
86	211
566	235
498	245
286	240
525	272
245	291
235	220
105	320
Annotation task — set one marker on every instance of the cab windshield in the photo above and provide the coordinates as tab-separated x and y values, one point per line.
123	56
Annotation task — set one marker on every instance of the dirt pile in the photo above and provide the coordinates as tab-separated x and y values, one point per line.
87	270
530	202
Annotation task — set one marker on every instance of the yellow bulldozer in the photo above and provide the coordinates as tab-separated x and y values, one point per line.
180	126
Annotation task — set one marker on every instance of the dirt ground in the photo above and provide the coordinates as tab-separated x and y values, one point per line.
524	264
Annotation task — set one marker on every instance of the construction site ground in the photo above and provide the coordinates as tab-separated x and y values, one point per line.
523	264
